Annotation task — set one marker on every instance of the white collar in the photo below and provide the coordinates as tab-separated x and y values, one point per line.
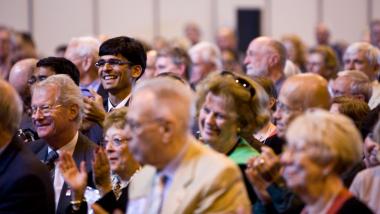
121	104
69	147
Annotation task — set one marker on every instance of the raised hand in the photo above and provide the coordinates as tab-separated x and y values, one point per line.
101	170
93	108
76	179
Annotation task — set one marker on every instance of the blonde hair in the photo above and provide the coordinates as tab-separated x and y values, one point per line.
333	138
251	110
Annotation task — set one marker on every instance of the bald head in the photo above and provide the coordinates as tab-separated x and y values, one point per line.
307	91
20	74
298	93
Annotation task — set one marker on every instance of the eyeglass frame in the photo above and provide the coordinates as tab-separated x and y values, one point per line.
112	63
136	127
115	141
34	79
48	110
242	82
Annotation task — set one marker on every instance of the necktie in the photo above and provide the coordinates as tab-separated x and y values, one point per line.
116	186
158	194
50	162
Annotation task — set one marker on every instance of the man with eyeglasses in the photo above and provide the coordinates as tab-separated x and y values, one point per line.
56	114
122	61
180	174
298	93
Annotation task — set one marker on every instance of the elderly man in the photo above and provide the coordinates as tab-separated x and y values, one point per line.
266	57
352	83
298	93
56	115
364	57
173	60
25	183
83	52
206	58
178	178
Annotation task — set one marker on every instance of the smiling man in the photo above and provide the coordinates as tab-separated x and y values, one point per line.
122	61
56	114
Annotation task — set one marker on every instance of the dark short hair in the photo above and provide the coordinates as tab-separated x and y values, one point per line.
128	47
61	66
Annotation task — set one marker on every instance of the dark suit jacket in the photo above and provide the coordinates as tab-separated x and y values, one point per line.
83	151
25	185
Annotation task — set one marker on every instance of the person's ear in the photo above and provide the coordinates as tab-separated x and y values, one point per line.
167	131
87	63
136	71
73	112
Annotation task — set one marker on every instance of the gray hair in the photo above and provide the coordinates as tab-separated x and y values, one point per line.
371	52
169	89
68	92
208	53
334	138
10	108
85	46
360	83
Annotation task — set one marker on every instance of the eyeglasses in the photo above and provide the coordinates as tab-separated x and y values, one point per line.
284	108
135	126
242	82
115	141
46	110
34	79
112	62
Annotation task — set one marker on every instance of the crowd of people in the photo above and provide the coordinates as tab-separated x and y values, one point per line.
115	124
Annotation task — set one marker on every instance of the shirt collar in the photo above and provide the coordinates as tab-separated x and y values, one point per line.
69	147
93	85
121	104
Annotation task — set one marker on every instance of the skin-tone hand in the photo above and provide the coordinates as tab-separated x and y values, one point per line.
262	171
76	179
93	108
101	170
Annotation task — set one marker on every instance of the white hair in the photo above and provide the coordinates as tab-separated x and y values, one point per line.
372	53
85	46
208	53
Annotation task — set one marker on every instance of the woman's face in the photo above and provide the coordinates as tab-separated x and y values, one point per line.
371	152
299	170
217	120
117	148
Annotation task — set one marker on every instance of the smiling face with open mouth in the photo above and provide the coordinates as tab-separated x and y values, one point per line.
115	74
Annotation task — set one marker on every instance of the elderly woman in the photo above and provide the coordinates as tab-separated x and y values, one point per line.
231	107
321	146
116	159
367	183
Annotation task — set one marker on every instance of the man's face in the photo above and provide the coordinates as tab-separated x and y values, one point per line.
116	77
40	74
256	61
315	64
217	120
358	61
285	113
341	87
5	43
375	35
49	118
165	64
200	69
143	122
117	148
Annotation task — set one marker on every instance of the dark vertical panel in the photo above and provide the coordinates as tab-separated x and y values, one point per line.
30	16
95	17
248	26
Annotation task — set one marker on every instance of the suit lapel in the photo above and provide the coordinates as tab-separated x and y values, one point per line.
183	177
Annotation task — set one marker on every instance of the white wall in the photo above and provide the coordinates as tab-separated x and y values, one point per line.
56	21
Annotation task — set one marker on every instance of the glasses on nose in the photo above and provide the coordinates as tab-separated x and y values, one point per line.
114	142
111	62
242	82
135	126
46	110
284	108
35	79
